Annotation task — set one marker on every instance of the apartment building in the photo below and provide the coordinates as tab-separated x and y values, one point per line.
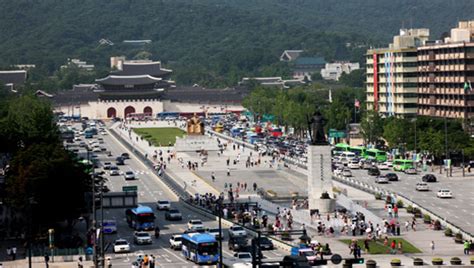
391	83
445	73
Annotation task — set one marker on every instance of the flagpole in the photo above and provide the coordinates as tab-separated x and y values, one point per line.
355	112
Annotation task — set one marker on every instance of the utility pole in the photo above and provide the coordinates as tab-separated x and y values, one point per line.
94	240
219	212
446	144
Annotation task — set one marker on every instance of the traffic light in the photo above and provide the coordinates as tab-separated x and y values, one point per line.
355	261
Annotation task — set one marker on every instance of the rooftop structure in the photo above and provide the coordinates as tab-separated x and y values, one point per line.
79	63
304	67
333	71
12	78
290	55
276	81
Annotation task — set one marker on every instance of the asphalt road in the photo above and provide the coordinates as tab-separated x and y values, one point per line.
151	189
459	210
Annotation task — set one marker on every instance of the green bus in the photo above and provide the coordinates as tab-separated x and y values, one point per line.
360	151
376	154
402	164
339	148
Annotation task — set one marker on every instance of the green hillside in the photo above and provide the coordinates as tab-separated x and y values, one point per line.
215	42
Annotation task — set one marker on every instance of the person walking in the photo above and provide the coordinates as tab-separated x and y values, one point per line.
213	177
79	263
9	253
228	171
254	186
432	246
46	260
14	252
151	261
392	247
467	246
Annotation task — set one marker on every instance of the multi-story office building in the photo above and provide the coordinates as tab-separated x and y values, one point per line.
445	73
392	75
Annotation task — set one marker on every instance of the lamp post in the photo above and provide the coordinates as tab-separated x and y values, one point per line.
219	212
446	144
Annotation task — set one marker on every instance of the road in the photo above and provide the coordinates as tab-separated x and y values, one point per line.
458	210
151	189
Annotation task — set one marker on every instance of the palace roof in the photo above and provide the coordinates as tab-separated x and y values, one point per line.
152	68
128	80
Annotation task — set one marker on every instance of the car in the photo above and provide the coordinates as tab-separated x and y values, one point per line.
392	176
109	226
125	156
428	178
346	173
100	140
173	214
353	164
295	261
129	175
119	161
103	133
142	238
96	149
373	171
121	245
176	241
163	205
381	179
338	171
243	256
444	193
410	171
114	171
237	243
308	253
422	186
195	224
215	232
82	144
237	230
389	164
103	148
106	165
382	166
265	243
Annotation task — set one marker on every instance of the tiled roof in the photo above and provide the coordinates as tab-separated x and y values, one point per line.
310	61
13	77
152	68
128	80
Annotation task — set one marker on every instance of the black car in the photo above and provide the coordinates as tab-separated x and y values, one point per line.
392	176
237	243
125	156
291	261
429	178
119	161
373	172
265	243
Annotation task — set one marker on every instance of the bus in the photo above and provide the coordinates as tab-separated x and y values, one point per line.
376	154
402	164
360	151
339	148
200	248
139	116
140	218
89	133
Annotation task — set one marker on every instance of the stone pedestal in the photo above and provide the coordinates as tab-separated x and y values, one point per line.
192	143
320	178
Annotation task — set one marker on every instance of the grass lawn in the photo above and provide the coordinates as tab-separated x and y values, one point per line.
160	136
379	248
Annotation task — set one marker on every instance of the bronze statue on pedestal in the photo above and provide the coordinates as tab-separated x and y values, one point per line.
195	126
316	129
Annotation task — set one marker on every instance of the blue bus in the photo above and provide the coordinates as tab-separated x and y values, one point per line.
200	248
89	133
141	218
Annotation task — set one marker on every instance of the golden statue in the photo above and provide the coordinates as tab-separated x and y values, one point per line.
195	126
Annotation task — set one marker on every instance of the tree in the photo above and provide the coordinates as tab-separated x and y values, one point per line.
372	127
398	132
338	115
355	78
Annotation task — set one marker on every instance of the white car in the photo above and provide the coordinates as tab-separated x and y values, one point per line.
163	205
142	238
236	230
121	245
107	165
114	171
444	193
176	241
381	179
195	225
422	186
353	165
346	173
243	256
383	166
215	232
337	171
129	175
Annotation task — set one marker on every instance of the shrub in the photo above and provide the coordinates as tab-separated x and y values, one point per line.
437	261
458	238
448	232
395	261
410	209
371	262
437	225
426	218
418	262
455	261
378	196
400	203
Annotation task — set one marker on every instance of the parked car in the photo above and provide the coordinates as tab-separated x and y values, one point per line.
381	179
429	178
121	245
444	193
129	175
392	176
373	171
173	215
195	225
142	238
163	205
237	230
237	243
410	171
176	241
422	186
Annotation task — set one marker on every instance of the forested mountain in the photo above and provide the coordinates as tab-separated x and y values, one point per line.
211	41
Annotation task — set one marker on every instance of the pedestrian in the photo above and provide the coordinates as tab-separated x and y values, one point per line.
79	263
151	261
46	260
366	245
145	260
407	225
245	186
467	246
392	247
228	171
213	177
254	186
14	252
432	246
108	263
9	252
400	247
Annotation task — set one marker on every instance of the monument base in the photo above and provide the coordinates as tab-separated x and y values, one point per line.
192	143
322	205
